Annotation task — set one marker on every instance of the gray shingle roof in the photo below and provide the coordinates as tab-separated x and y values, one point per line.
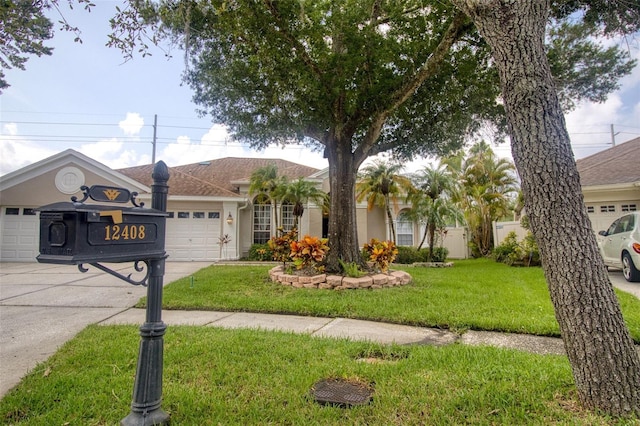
617	165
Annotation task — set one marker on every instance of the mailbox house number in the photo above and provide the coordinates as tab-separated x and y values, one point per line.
126	232
122	233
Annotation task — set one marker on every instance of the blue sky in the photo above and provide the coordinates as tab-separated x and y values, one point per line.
85	97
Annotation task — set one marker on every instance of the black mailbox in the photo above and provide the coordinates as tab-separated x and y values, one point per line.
75	233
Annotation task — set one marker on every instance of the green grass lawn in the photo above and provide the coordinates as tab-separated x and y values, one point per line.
247	377
474	294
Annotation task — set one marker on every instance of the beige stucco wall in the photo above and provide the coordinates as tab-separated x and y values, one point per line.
376	225
361	220
313	221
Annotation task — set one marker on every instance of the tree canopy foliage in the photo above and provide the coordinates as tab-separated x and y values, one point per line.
24	28
354	78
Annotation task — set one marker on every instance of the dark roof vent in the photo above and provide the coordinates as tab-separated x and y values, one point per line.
204	163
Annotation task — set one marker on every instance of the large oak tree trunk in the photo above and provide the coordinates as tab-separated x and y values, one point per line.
343	230
605	364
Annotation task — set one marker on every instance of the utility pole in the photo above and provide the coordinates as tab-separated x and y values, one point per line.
613	136
155	128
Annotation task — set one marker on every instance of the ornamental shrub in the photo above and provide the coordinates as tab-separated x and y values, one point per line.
439	254
408	255
309	252
382	253
502	251
260	252
514	252
281	246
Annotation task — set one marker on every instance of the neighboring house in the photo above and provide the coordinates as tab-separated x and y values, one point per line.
611	183
207	201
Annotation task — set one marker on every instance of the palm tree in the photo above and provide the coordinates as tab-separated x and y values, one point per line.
381	184
265	181
298	193
431	202
485	186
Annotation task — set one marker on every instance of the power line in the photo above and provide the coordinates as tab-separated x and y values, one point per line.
69	138
53	123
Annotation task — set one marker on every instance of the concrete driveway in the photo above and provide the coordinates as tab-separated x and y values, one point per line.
42	306
615	275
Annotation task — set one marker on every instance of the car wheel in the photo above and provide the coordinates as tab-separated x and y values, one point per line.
629	270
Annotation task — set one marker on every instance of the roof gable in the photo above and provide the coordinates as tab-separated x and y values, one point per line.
68	157
617	165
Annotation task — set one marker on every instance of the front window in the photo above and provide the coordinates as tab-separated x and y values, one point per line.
404	231
261	221
287	216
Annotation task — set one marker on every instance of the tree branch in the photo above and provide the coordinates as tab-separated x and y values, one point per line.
458	27
295	44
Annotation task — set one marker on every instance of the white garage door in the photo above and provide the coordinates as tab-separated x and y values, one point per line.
19	234
603	214
193	236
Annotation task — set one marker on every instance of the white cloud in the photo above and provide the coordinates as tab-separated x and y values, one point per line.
10	129
216	135
590	123
216	144
183	140
114	154
17	152
132	124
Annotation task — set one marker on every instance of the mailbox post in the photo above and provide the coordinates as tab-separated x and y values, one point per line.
147	391
75	233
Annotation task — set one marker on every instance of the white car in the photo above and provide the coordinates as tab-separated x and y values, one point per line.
620	246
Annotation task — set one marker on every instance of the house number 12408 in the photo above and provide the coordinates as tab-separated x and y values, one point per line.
124	232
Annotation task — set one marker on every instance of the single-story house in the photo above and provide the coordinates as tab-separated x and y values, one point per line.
208	204
611	183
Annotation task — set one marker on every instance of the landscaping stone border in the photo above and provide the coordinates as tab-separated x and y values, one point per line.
338	282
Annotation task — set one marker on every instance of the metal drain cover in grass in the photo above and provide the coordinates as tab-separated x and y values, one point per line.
342	392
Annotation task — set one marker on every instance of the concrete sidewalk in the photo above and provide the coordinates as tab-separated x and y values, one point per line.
346	328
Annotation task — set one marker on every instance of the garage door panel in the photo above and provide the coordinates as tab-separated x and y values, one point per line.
9	239
11	224
20	236
27	240
193	239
